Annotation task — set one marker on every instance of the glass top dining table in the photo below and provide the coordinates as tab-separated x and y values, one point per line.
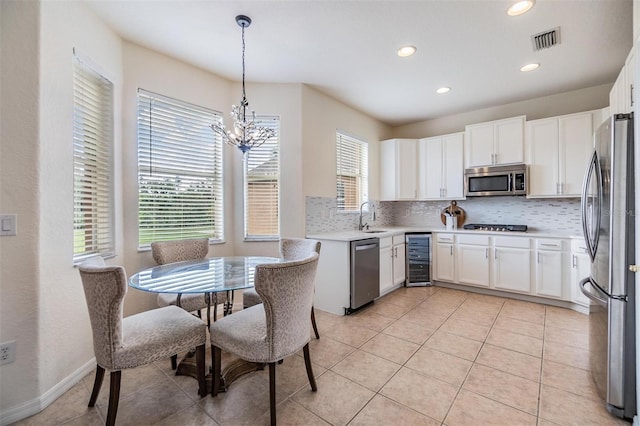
211	275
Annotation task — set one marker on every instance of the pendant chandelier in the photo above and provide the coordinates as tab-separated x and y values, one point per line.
246	134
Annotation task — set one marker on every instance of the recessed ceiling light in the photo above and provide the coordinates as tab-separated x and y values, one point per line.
405	51
520	7
529	67
443	90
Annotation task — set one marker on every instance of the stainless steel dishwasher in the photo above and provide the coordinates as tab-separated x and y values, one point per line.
365	272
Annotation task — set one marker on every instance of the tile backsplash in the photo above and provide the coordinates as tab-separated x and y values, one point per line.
557	215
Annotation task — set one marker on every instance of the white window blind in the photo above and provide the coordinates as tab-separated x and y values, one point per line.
179	171
262	185
352	186
93	218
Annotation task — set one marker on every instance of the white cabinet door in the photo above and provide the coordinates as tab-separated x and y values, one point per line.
406	170
386	264
453	166
399	266
444	262
617	99
542	144
509	141
398	169
430	168
479	144
558	150
495	142
549	273
580	269
576	147
472	264
629	74
441	167
512	269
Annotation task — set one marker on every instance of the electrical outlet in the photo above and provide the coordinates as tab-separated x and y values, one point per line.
7	352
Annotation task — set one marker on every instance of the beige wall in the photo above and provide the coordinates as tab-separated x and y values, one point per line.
43	306
321	117
549	106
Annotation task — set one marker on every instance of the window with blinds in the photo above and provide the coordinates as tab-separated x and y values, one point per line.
262	186
93	207
179	171
352	179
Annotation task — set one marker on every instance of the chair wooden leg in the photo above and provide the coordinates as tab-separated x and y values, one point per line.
200	367
114	396
97	384
313	323
272	392
174	362
216	362
307	363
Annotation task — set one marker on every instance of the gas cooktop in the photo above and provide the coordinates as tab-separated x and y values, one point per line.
493	227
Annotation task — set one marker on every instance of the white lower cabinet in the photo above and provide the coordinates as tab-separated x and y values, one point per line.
444	259
386	264
580	269
392	262
472	261
532	266
549	268
512	264
399	258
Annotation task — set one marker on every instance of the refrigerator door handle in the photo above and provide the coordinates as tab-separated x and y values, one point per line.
593	172
602	300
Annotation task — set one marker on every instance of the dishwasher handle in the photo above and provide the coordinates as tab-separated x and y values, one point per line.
367	246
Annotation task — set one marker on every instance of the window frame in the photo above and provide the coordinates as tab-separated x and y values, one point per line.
182	131
361	177
262	120
93	136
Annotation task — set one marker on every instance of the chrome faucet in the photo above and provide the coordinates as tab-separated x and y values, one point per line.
361	226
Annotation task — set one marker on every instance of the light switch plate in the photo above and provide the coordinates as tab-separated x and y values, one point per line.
8	224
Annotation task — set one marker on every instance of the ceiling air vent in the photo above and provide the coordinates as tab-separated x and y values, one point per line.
546	39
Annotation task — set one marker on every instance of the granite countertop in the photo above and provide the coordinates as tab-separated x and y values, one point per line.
389	231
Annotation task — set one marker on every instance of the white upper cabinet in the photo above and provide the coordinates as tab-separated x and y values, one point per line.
558	150
494	142
440	167
398	169
622	96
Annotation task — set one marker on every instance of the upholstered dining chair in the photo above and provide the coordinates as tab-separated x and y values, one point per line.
290	249
164	252
274	329
120	343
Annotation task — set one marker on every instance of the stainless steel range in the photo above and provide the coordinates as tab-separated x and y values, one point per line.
494	227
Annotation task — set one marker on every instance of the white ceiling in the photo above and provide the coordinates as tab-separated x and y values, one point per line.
347	49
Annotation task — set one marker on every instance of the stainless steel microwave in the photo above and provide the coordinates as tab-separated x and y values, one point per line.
508	179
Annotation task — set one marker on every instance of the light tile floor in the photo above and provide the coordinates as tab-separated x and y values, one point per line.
419	356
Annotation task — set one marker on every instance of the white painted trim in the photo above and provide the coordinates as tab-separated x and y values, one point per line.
36	405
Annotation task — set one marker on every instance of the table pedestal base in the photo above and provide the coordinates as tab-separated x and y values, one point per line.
231	372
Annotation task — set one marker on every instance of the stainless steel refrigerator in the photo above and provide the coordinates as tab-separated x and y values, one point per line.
608	221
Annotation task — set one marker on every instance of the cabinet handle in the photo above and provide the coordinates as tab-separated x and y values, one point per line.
557	188
486	253
451	250
495	253
538	257
631	91
573	261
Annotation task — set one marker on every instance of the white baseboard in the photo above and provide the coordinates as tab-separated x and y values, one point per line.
36	405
